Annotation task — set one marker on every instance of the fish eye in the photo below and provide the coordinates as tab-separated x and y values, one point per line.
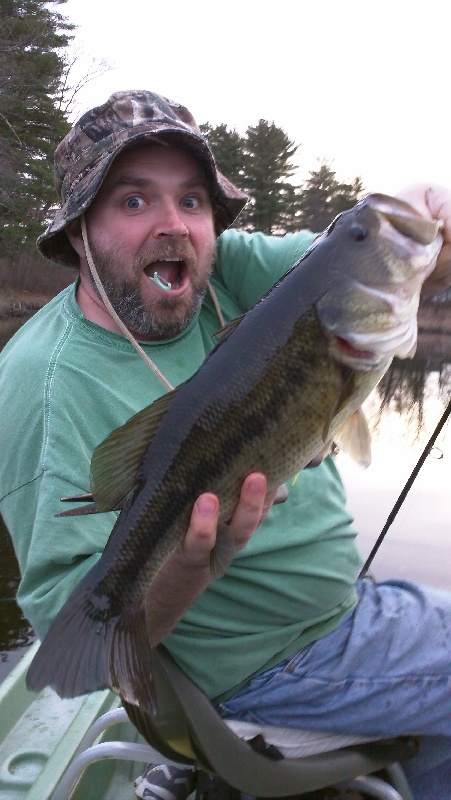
358	232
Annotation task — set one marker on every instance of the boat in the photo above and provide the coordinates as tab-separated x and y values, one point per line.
40	734
86	748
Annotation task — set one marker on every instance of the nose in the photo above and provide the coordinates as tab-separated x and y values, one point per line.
169	221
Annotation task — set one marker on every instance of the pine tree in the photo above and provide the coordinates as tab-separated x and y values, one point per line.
32	42
321	197
268	168
228	148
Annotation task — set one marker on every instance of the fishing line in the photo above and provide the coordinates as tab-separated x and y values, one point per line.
391	517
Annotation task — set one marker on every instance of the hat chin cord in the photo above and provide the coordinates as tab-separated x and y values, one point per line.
113	313
115	316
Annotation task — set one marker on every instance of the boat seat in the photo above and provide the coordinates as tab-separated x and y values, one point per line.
188	730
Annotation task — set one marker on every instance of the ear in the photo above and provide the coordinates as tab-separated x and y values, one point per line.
73	233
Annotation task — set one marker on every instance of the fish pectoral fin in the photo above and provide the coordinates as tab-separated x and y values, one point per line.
223	552
281	496
354	438
319	458
339	405
116	461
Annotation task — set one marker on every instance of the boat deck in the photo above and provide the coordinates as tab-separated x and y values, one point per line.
39	734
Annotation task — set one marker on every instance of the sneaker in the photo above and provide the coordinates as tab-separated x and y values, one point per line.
164	782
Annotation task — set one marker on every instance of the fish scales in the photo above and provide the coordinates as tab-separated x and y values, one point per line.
212	446
282	384
216	444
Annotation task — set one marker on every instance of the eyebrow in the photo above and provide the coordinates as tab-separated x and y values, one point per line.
136	180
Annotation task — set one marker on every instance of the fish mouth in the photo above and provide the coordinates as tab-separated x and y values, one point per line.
169	275
370	311
409	234
405	219
342	350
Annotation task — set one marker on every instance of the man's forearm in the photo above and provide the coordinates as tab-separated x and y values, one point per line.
188	571
173	591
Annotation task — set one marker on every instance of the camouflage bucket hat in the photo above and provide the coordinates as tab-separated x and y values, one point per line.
84	156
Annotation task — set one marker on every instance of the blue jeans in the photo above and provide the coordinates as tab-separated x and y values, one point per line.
383	672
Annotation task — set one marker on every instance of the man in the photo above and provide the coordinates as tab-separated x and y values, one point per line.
286	636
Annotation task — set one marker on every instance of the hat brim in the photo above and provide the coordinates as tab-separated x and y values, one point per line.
226	199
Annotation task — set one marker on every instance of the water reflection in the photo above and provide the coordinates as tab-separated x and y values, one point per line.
403	414
16	634
417	546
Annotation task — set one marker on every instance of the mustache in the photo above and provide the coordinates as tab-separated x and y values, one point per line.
162	251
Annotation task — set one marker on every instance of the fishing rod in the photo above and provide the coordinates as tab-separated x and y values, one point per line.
406	489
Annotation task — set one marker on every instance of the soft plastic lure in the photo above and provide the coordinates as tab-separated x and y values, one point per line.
162	284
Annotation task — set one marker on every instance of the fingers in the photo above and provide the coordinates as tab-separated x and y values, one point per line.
201	535
440	278
253	506
433	200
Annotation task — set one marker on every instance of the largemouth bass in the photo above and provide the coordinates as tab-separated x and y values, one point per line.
285	381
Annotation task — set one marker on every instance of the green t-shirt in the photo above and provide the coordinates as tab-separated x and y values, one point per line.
65	383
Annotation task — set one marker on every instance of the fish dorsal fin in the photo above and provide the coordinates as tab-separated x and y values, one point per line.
354	438
116	460
228	328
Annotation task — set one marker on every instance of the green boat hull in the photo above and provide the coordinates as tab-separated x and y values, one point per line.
40	733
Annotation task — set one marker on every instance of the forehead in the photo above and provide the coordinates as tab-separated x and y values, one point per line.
158	159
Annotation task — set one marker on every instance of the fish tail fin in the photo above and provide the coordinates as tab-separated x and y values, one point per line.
82	654
73	656
142	721
165	738
131	662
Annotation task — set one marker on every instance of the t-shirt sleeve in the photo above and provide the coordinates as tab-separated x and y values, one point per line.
248	264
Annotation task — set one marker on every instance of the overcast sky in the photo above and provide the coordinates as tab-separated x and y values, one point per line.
364	84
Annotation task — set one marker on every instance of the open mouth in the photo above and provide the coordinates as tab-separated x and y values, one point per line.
349	350
344	352
170	275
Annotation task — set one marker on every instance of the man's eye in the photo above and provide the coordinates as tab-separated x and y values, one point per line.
134	202
190	202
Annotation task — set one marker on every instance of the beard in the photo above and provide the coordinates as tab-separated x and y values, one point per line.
164	317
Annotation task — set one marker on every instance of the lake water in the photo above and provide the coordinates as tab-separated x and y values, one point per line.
15	632
417	546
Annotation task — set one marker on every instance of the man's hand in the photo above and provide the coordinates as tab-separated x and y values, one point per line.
434	201
187	572
253	506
